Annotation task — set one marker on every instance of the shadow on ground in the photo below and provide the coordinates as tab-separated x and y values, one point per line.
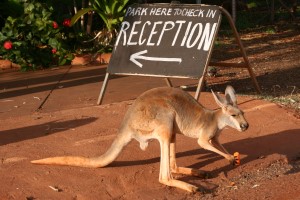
40	130
282	143
271	83
260	44
50	82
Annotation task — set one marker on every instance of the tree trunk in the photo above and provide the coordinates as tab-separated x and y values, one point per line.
75	6
83	3
89	21
233	10
272	12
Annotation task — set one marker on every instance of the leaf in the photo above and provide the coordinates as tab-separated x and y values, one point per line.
80	13
69	56
28	8
62	61
18	44
10	21
2	37
53	43
111	12
122	7
17	53
9	34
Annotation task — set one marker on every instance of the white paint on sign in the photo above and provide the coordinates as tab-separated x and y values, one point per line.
158	11
199	35
136	11
139	55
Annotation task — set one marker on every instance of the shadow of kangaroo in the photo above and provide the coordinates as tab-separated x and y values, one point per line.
159	114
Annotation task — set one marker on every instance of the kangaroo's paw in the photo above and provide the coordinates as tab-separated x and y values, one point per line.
191	171
182	185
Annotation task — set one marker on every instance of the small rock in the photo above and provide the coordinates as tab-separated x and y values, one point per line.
14	65
5	64
81	60
38	98
103	58
232	184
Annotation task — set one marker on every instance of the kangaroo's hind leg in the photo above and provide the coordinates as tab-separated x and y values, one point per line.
182	170
165	176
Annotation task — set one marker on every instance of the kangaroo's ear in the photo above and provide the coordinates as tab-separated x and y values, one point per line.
219	100
230	95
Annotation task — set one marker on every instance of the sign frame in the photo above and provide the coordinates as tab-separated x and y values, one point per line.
165	40
207	62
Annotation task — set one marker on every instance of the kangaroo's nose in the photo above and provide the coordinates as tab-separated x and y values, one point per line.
244	126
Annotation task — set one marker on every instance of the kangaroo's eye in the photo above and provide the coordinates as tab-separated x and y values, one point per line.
233	115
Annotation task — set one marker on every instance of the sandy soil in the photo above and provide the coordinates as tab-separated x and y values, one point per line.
269	150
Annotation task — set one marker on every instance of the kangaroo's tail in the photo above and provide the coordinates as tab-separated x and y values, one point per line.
111	154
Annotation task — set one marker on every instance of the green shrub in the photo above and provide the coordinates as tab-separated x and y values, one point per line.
111	13
35	40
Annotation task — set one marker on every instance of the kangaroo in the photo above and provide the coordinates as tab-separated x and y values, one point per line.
159	114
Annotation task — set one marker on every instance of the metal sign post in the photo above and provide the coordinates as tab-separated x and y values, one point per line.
170	41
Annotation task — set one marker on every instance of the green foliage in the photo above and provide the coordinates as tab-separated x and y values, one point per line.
270	30
37	41
111	13
252	5
11	8
245	20
80	13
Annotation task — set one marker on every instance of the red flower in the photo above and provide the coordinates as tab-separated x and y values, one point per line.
54	51
55	25
67	22
7	45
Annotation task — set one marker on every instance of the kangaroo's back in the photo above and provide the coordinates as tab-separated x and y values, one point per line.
168	97
163	106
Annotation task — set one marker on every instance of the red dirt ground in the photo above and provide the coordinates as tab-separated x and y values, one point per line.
269	150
